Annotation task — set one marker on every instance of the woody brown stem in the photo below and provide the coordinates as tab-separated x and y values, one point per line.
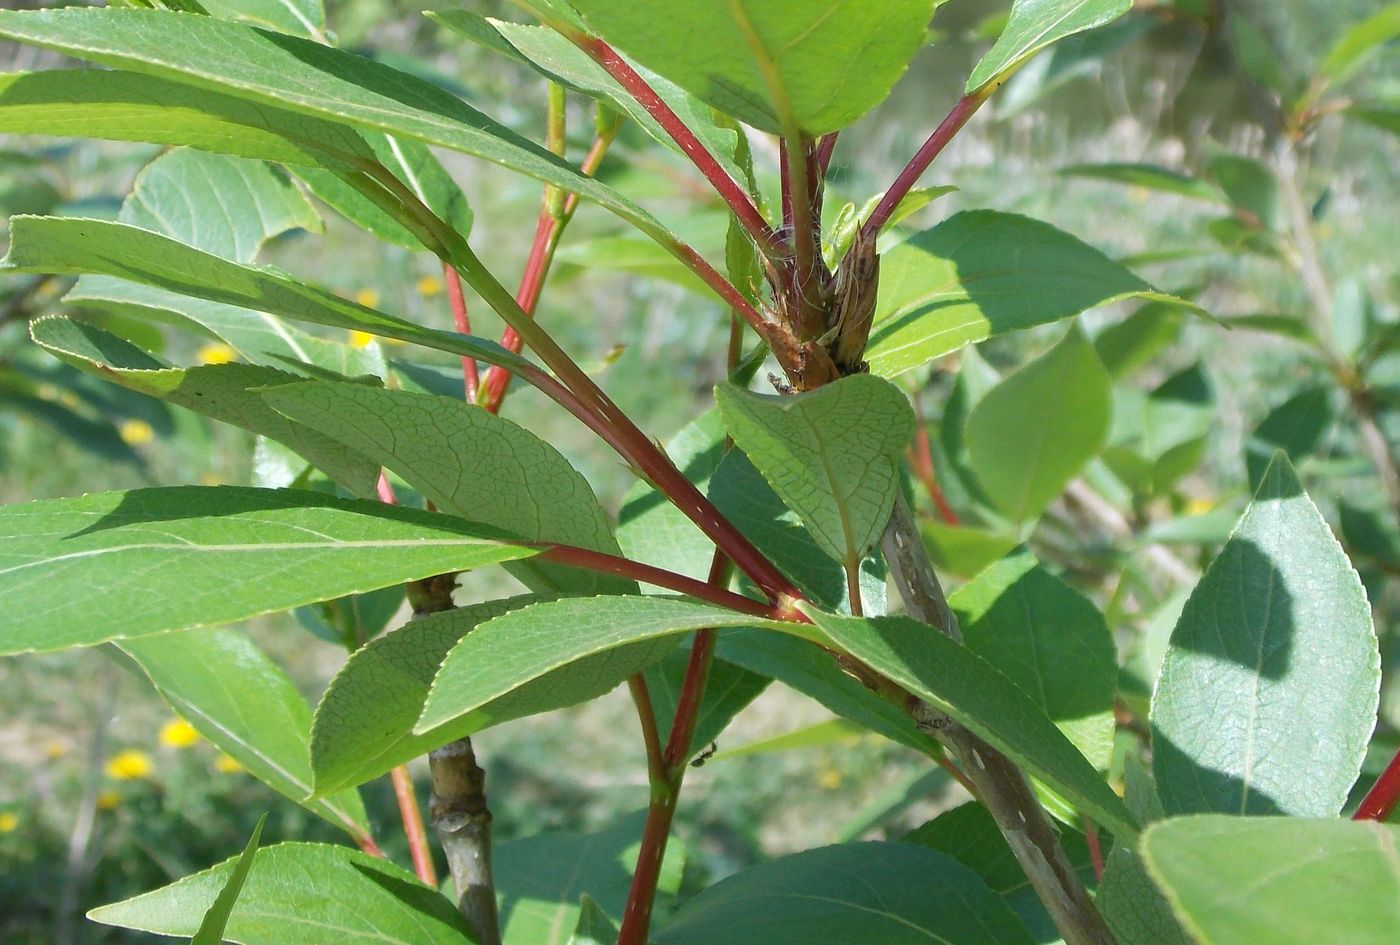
462	822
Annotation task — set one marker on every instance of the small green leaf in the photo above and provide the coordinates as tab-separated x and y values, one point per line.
959	682
1038	428
833	732
1251	189
1048	639
295	17
111	565
854	893
982	273
222	391
1296	426
215	921
1136	911
239	699
1149	176
779	65
1359	43
1285	881
1035	24
594	927
618	636
355	899
1268	692
831	454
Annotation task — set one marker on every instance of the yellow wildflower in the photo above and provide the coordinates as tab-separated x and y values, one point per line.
227	765
429	286
177	733
9	821
1199	506
209	479
369	298
830	778
56	748
129	764
361	339
136	432
108	800
216	354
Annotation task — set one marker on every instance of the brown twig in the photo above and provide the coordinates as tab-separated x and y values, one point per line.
462	822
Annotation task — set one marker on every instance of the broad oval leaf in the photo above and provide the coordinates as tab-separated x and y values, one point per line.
1037	429
1035	24
959	682
1133	906
779	65
1285	881
240	700
982	273
1268	692
110	565
831	454
355	899
856	894
619	636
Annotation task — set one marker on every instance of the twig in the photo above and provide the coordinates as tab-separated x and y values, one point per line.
470	380
462	823
413	829
1380	801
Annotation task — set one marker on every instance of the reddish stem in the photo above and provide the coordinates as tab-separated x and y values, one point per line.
825	148
471	381
651	735
729	191
921	458
1091	839
418	849
965	108
1379	802
785	185
636	915
367	846
697	673
947	765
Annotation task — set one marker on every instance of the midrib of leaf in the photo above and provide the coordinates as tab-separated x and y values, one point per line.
843	511
771	76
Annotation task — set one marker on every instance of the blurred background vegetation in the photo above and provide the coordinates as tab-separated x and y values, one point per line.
103	793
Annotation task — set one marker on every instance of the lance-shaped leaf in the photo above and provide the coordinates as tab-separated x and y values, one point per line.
982	273
356	899
296	17
223	391
952	678
854	893
110	565
128	106
364	723
831	454
235	696
1035	24
779	65
606	638
729	688
215	922
469	462
304	76
1285	881
1358	44
62	245
1268	692
1038	428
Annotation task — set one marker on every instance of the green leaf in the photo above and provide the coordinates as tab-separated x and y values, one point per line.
729	689
832	732
127	106
982	273
1384	116
1129	345
1296	426
831	454
364	723
223	391
1360	43
594	927
856	894
1150	176
1035	24
1268	692
965	550
303	76
970	835
297	17
215	921
606	639
239	699
780	65
1243	881
469	462
1251	189
959	682
61	245
1136	911
1038	428
1048	639
111	565
355	899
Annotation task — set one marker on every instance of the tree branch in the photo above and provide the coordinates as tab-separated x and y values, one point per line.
462	822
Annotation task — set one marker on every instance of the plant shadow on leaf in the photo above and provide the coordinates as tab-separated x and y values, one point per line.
414	896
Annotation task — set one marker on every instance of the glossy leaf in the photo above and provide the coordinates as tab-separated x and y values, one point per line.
857	894
831	454
779	65
215	921
1268	692
223	391
1285	881
950	677
468	462
1048	639
110	565
1035	24
982	273
356	899
617	636
1038	428
364	723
